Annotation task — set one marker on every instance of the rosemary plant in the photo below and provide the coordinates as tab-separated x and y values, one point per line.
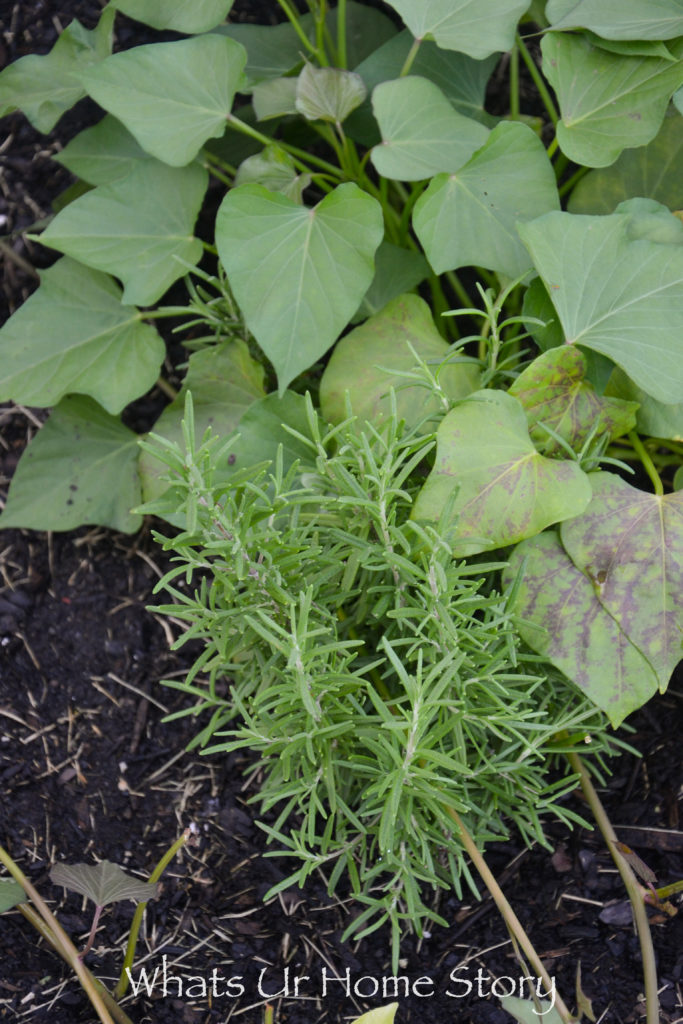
380	682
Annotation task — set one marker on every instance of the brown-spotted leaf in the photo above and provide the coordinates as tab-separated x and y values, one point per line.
563	620
102	883
630	543
554	390
496	487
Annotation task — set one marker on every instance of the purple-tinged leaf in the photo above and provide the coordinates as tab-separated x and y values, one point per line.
566	623
102	883
554	390
495	484
630	543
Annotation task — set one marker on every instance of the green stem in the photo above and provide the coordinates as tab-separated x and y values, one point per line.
294	19
514	83
632	887
298	155
412	54
320	35
122	985
511	920
648	465
552	148
459	288
341	34
538	81
61	940
569	184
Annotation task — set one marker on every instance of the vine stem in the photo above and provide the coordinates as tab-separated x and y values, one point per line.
292	17
538	81
412	54
511	920
648	465
632	887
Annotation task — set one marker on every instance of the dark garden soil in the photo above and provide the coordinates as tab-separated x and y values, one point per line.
89	772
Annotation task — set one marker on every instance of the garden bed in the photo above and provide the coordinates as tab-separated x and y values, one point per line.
88	771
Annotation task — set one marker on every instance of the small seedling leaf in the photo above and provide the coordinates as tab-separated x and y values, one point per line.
470	217
505	490
74	335
171	96
422	133
562	619
102	883
11	894
362	364
524	1011
380	1015
81	467
630	543
298	274
328	94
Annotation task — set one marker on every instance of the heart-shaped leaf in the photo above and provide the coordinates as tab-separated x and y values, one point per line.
608	102
561	618
171	96
102	883
422	133
45	87
554	390
630	543
476	27
74	334
11	894
81	467
618	296
224	381
490	479
135	226
328	94
298	274
371	359
187	16
652	171
103	153
619	19
469	217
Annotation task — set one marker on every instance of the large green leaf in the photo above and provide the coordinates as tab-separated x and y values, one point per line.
44	87
618	296
561	617
397	271
491	481
187	16
554	391
102	883
371	359
476	27
422	134
135	226
630	543
653	418
461	79
608	102
619	19
653	171
224	381
103	153
470	217
171	96
74	334
298	274
81	467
